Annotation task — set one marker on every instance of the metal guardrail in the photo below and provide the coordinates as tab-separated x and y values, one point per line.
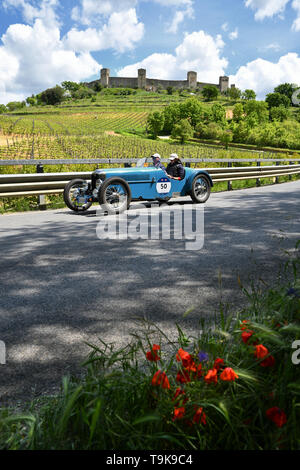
40	183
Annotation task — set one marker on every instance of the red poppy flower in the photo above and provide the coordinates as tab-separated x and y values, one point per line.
152	355
183	377
228	375
260	351
211	376
179	394
244	325
276	415
199	416
160	379
185	357
268	362
246	335
178	413
218	363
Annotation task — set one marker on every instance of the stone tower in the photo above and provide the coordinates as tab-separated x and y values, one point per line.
223	84
192	79
142	78
105	77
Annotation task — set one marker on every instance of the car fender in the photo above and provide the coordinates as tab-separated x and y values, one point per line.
195	173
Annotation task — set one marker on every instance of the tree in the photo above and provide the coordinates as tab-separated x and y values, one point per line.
277	99
2	108
155	123
170	90
13	105
52	96
279	113
31	101
226	137
286	89
182	131
219	114
70	86
248	95
238	112
171	115
210	92
234	93
192	110
256	111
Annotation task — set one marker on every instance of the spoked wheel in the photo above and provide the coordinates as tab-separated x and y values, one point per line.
75	195
114	195
200	191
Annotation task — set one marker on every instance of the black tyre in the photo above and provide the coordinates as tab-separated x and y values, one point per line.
201	187
74	195
114	195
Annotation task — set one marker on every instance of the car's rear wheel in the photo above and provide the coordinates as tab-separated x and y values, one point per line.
114	195
75	195
201	187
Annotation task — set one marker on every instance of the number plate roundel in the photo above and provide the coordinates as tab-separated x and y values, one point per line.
163	186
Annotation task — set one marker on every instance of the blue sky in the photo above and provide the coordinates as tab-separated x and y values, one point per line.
255	42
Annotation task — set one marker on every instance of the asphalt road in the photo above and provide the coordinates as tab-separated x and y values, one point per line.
61	286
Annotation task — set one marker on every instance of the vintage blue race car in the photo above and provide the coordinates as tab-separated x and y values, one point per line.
115	188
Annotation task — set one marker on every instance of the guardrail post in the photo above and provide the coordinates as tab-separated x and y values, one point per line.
41	197
258	179
276	177
229	183
127	165
290	176
188	164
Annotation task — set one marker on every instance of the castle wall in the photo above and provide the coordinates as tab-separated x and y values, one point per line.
123	82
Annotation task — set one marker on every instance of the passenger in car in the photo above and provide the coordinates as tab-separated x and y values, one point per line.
175	169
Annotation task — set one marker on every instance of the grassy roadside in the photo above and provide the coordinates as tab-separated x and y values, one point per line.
233	385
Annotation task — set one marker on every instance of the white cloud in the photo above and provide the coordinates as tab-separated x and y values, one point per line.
234	34
34	58
225	27
263	76
45	12
296	23
91	12
199	52
266	8
122	32
179	17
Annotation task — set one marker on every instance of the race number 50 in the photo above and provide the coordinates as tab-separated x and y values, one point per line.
163	186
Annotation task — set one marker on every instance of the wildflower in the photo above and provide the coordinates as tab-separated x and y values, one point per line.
246	335
268	362
203	356
211	376
183	377
179	394
199	416
185	357
178	413
218	363
152	355
276	415
228	375
260	351
244	325
160	378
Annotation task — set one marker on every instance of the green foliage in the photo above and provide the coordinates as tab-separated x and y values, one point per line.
257	110
279	113
31	100
170	90
275	100
286	89
208	131
234	93
15	105
182	131
238	112
3	108
248	95
210	92
70	86
155	123
218	114
52	96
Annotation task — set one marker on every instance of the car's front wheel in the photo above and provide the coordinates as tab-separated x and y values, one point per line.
75	195
200	191
114	195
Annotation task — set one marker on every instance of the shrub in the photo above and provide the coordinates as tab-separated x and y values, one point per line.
182	131
210	92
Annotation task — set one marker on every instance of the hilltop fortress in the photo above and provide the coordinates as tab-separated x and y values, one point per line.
152	84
